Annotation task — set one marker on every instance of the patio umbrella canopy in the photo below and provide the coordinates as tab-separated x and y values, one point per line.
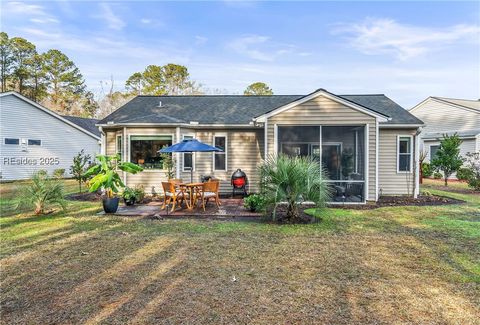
190	145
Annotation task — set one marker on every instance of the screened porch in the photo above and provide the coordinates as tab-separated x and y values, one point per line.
340	149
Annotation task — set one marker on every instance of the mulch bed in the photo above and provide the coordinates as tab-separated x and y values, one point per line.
392	201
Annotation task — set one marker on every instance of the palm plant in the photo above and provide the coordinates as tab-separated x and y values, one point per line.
105	174
43	192
293	180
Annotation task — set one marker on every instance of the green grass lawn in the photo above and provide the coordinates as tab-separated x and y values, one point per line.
388	265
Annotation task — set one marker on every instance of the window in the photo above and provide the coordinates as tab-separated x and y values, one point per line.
404	160
144	150
188	157
433	151
119	147
12	141
32	142
220	158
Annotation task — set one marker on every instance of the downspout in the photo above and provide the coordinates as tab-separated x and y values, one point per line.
102	141
124	158
417	165
177	162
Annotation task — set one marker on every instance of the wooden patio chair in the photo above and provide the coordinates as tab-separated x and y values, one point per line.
209	191
173	194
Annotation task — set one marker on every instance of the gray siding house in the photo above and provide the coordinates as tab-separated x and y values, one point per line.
447	116
367	143
34	138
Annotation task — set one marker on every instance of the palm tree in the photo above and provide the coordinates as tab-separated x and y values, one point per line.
293	180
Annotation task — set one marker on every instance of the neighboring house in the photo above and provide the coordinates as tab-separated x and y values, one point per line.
367	143
34	138
448	116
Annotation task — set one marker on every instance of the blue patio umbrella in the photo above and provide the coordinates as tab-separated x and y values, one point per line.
190	145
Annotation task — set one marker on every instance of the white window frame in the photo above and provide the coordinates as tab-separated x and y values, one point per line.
9	144
220	135
192	135
399	136
34	145
119	150
153	170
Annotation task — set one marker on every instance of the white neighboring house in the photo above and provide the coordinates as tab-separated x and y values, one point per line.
447	116
34	138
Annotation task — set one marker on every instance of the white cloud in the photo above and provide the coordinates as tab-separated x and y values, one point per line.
111	19
145	21
199	40
46	20
23	8
386	36
258	47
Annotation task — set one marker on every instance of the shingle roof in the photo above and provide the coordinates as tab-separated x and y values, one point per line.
233	109
474	104
85	123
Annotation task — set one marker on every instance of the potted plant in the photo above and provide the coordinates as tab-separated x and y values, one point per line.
129	196
253	202
105	176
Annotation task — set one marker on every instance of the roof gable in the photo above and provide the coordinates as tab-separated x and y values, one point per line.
53	114
466	104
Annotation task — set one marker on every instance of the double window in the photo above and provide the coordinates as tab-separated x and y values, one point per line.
404	154
188	157
144	150
16	141
34	142
220	158
13	141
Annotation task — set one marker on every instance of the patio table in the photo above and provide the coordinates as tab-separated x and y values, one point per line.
192	188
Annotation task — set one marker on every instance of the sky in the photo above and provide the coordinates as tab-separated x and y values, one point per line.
406	50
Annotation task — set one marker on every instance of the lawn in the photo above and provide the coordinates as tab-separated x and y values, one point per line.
388	265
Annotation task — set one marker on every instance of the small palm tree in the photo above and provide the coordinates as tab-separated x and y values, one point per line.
43	192
293	180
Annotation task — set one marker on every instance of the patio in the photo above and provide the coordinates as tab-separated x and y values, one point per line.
230	208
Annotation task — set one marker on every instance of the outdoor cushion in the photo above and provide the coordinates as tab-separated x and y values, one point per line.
209	194
178	193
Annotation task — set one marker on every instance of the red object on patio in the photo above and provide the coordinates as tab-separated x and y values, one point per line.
239	181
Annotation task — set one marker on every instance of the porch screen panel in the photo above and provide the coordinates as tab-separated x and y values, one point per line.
299	141
343	152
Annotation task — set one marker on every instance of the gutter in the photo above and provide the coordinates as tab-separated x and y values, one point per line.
183	125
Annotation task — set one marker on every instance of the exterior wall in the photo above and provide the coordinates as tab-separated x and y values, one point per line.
468	145
390	182
442	117
323	111
244	148
20	119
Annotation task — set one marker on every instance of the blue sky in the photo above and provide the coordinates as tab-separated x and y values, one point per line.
407	50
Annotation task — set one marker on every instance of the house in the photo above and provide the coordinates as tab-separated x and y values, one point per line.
34	138
367	143
448	116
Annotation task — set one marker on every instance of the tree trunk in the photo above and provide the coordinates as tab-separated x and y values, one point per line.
446	180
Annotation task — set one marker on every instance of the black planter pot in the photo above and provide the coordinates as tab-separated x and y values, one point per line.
110	205
129	201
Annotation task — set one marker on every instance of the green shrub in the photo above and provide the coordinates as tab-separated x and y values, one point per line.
464	174
289	181
254	202
79	168
42	193
59	173
437	175
426	170
473	163
42	172
136	192
447	158
139	193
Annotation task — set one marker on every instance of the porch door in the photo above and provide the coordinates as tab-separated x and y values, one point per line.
331	159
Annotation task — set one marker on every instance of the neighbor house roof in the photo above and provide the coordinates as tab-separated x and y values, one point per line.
235	109
85	123
473	104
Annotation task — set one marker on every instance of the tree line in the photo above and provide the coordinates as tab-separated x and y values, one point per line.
52	79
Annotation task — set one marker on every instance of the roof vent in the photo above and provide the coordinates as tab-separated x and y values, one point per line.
110	122
194	122
159	104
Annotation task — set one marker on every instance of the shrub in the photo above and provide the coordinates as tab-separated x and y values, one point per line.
437	175
42	172
43	192
447	158
464	174
291	181
137	192
473	163
79	168
59	173
426	170
254	202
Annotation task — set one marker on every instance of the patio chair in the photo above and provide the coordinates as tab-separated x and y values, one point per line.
172	195
209	191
